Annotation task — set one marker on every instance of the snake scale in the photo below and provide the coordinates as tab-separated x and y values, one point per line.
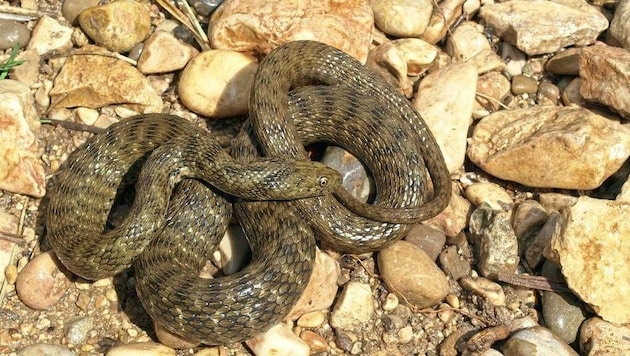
304	92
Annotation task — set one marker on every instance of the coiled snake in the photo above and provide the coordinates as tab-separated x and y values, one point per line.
169	238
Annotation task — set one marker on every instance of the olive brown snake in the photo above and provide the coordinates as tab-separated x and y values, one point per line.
303	92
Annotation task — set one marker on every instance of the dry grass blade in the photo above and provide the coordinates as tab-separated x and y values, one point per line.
189	20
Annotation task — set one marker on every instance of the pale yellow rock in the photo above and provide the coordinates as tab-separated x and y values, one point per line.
489	193
620	24
445	99
402	18
354	308
49	35
278	341
592	250
553	147
254	26
598	337
164	53
447	13
217	83
94	81
21	170
141	349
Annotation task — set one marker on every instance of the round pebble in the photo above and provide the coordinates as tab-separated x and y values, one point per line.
311	320
42	282
12	32
72	8
522	84
77	330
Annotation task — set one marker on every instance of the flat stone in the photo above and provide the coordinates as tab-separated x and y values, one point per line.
541	26
580	148
50	35
118	25
605	73
566	62
409	272
254	26
594	239
445	99
95	81
21	169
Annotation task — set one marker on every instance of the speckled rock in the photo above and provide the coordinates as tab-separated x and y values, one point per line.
77	330
354	308
536	341
117	26
21	169
605	73
581	149
280	341
497	246
94	81
541	26
217	83
594	239
42	282
445	100
409	272
402	18
254	26
598	337
164	53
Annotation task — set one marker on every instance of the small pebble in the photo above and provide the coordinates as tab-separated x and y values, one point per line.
549	91
141	349
354	308
11	273
42	282
485	288
278	341
72	8
522	84
453	263
490	193
77	330
311	320
391	302
13	32
427	238
536	341
315	342
44	350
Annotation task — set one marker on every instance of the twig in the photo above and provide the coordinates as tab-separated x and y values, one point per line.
15	238
189	21
534	282
75	126
19	14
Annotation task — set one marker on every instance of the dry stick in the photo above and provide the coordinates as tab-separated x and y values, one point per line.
190	22
15	238
416	309
19	14
534	282
74	126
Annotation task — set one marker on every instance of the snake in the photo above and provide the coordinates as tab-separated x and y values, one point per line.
188	188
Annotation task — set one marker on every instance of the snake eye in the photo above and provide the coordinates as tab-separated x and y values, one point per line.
323	181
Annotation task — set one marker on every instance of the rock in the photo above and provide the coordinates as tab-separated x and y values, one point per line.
453	263
49	35
409	272
21	170
445	100
164	53
169	339
549	91
321	289
544	26
72	8
78	329
620	24
454	218
469	44
557	201
141	349
516	60
528	219
566	62
315	342
355	307
492	89
444	16
118	25
497	246
44	350
428	239
280	341
522	84
27	72
8	223
217	83
42	282
491	194
563	312
354	177
571	94
536	245
402	18
311	320
536	341
12	33
95	81
598	337
258	27
593	240
580	148
484	287
605	73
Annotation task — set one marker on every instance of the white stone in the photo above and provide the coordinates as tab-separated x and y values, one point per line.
141	349
49	35
355	307
278	341
402	18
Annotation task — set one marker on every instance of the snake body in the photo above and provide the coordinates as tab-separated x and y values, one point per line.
344	104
